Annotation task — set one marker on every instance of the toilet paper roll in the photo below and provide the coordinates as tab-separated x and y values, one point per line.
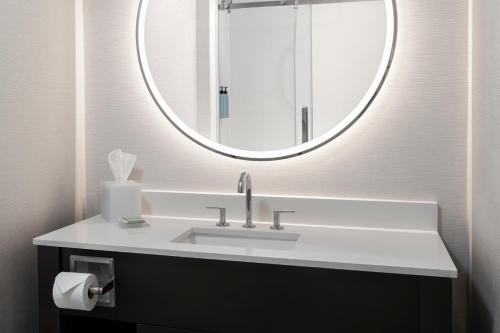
71	291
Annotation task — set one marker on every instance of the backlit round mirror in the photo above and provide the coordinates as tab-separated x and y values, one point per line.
263	80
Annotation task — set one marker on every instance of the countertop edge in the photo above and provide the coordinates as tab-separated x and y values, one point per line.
427	272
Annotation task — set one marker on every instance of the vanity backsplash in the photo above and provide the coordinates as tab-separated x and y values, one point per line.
358	213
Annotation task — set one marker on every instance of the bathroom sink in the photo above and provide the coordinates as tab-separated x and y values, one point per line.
239	238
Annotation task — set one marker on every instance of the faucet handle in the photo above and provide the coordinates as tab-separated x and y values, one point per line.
277	219
222	216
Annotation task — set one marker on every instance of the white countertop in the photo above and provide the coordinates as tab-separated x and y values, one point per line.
361	249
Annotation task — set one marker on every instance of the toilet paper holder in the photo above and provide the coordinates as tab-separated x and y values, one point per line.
103	269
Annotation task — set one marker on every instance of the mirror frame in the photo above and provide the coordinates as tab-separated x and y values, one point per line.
339	129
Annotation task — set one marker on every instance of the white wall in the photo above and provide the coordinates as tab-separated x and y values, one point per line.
177	39
344	66
177	78
486	168
204	81
411	144
37	96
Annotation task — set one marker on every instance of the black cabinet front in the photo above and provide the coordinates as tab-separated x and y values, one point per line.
195	295
158	329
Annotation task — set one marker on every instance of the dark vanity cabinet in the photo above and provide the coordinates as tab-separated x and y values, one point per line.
165	294
159	329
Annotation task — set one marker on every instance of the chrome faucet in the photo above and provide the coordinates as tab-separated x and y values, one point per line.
245	184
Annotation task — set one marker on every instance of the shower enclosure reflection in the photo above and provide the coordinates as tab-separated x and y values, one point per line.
265	75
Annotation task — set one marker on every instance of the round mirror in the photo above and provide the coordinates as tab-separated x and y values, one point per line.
264	80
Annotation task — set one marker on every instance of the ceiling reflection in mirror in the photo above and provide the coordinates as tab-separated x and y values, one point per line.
264	79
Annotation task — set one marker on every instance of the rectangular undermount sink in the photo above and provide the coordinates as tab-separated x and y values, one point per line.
239	238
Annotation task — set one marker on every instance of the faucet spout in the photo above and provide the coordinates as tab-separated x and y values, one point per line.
245	186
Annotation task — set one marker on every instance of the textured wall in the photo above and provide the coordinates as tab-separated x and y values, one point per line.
411	144
36	144
180	41
486	166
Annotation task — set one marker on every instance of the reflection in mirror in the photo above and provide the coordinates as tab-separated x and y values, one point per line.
264	76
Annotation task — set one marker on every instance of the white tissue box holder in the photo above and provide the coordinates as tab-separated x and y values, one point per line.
120	200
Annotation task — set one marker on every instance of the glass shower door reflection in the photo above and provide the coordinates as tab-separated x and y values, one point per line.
260	50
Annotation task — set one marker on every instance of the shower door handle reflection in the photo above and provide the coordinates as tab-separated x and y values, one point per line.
305	124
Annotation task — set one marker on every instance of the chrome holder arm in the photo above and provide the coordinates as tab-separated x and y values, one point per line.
101	290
